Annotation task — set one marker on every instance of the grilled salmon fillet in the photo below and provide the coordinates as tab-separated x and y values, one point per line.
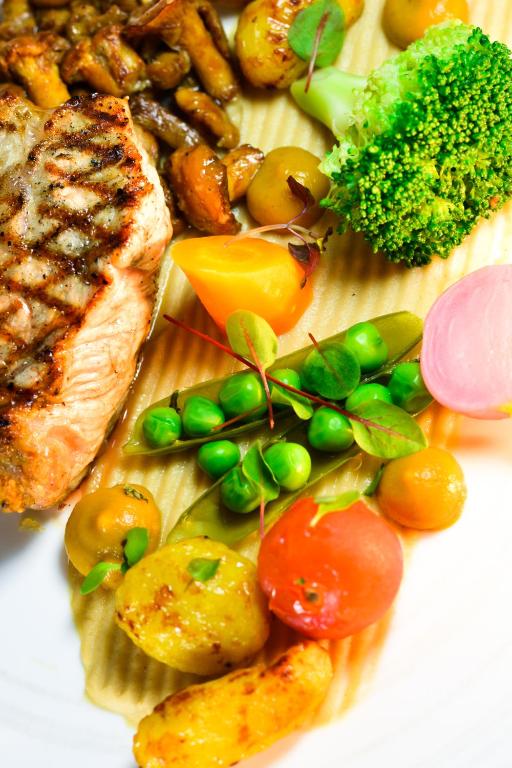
83	225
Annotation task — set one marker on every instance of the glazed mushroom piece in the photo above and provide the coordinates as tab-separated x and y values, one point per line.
242	165
166	70
205	113
85	20
157	119
18	19
199	180
32	60
196	27
107	63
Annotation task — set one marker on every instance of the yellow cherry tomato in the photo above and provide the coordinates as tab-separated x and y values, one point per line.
425	490
247	273
269	198
407	20
99	523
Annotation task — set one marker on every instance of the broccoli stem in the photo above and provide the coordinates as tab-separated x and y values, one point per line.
331	97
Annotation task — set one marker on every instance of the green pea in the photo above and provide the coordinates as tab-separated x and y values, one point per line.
161	427
218	457
332	372
200	416
242	393
287	376
329	431
367	345
408	389
366	392
290	464
237	493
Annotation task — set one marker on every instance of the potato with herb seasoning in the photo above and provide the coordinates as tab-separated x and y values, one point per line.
195	605
223	721
99	523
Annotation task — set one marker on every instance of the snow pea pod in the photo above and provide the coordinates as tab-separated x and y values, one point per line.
207	516
401	331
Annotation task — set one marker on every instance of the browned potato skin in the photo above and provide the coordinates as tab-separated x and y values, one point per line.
226	720
261	43
242	165
199	180
203	627
261	40
203	111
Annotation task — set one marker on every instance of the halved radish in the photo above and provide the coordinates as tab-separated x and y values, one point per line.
466	356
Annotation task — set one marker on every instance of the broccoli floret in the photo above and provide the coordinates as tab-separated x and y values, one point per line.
425	142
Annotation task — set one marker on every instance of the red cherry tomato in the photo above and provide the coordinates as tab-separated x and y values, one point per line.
333	576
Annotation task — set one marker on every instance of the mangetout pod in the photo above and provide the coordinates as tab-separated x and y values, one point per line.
466	357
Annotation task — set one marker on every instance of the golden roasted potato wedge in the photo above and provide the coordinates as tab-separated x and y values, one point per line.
261	43
261	40
223	721
196	625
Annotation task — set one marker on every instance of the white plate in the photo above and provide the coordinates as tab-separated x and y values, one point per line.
440	697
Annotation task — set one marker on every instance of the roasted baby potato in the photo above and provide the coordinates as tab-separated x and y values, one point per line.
223	721
195	605
261	40
261	43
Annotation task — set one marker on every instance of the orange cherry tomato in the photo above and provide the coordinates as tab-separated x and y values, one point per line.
250	273
408	20
333	576
425	490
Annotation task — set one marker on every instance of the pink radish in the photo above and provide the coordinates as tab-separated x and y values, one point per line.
466	356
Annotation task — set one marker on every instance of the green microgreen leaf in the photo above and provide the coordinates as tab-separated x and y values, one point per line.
203	568
257	471
128	490
331	370
386	431
137	542
300	405
374	484
241	326
334	504
302	35
96	576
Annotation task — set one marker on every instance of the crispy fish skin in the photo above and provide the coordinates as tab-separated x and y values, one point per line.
83	226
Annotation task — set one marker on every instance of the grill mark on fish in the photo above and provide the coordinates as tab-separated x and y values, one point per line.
114	194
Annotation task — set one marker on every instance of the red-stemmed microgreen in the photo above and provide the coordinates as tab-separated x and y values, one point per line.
312	244
416	438
316	46
317	33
